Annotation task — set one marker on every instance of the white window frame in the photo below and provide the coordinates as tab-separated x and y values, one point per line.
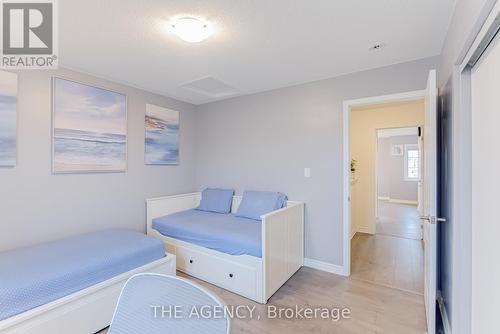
412	147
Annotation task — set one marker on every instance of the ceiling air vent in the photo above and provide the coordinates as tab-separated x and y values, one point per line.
209	86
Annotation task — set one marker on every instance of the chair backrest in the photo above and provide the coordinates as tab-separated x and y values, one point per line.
155	303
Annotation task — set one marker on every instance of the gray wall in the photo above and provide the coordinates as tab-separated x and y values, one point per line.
391	170
383	167
36	206
264	141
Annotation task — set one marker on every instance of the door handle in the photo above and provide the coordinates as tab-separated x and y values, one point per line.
433	219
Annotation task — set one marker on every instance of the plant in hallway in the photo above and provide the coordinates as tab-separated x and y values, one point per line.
353	166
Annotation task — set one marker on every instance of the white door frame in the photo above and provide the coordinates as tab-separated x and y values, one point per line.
462	177
346	160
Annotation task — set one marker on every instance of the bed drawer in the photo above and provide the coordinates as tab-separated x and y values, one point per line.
190	261
226	274
238	278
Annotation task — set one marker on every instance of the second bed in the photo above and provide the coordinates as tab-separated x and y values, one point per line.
251	258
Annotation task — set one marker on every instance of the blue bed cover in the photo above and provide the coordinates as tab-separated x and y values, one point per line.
33	276
221	232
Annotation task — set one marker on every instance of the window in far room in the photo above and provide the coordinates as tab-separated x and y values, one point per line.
412	163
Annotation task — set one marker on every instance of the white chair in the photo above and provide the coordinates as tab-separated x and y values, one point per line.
155	303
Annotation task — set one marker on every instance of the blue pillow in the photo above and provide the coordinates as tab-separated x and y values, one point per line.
216	200
257	203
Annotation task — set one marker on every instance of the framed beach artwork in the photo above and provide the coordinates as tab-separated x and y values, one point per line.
89	128
8	119
397	150
162	136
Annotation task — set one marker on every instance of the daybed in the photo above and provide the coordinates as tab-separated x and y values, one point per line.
250	258
72	285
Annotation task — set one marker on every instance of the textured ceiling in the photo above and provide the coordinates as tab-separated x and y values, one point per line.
257	45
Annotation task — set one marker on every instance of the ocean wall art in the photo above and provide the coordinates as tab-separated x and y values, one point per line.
89	128
162	136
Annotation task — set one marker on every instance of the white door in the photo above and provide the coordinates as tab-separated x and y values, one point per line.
485	159
429	207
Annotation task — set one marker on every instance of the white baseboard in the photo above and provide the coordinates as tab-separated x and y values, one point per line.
365	229
397	201
325	266
403	201
444	313
353	232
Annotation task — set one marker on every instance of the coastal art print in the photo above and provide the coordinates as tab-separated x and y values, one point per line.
397	150
8	117
90	128
162	136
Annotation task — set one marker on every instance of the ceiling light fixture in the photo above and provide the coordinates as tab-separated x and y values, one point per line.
191	29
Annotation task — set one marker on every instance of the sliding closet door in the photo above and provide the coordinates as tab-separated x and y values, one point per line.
486	191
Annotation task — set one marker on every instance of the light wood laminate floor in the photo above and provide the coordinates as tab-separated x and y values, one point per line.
398	220
390	261
384	292
374	308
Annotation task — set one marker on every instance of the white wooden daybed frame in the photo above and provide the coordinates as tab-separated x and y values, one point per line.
252	277
83	312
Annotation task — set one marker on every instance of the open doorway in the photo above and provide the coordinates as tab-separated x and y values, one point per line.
386	245
398	176
378	260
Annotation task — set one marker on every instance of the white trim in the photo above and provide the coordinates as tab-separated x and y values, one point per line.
325	266
397	200
403	201
365	229
346	160
485	24
444	313
375	100
396	132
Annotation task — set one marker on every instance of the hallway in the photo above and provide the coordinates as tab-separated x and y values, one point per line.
398	220
393	257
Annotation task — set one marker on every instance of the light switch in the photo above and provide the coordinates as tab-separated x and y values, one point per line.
307	172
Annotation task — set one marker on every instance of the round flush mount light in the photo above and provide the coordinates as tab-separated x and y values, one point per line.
191	29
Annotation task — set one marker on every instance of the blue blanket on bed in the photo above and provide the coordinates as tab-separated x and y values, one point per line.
34	276
222	232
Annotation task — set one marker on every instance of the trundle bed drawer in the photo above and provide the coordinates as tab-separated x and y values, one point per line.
227	274
191	261
239	278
